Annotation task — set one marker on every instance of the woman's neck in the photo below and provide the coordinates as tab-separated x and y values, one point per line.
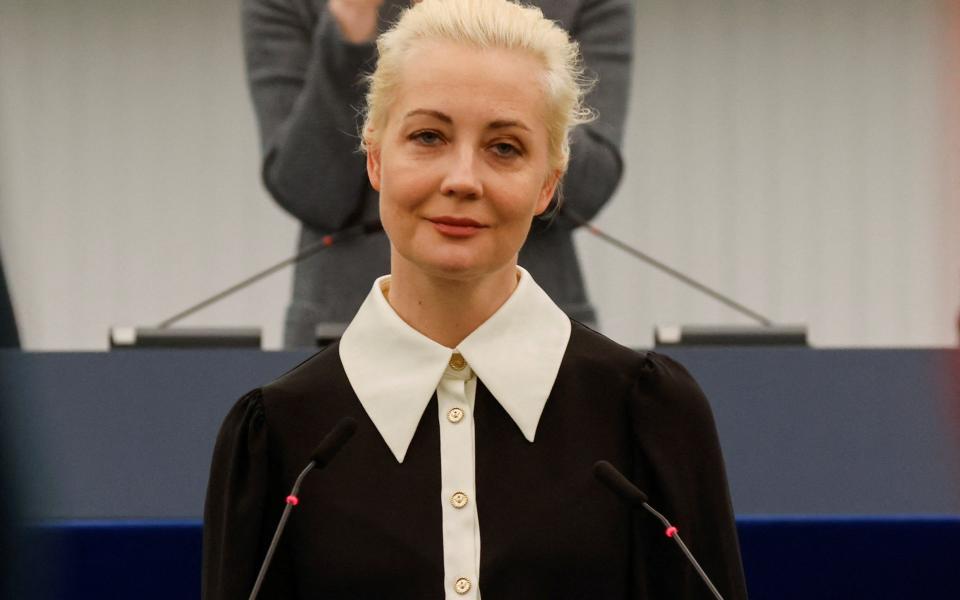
447	310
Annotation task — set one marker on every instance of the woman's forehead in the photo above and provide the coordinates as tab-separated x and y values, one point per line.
460	81
456	53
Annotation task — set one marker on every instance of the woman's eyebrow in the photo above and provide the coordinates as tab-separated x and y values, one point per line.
506	124
436	114
430	113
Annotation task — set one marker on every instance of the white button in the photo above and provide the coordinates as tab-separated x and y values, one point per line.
458	500
462	586
455	415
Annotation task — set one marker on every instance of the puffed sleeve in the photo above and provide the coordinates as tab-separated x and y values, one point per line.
678	463
238	520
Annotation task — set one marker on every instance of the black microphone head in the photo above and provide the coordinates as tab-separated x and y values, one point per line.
618	484
333	441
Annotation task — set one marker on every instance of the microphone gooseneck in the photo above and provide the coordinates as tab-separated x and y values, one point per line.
319	458
307	251
614	480
665	268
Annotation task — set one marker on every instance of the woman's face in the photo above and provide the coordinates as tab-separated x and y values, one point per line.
462	163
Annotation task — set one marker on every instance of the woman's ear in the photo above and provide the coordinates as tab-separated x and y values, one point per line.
373	165
548	190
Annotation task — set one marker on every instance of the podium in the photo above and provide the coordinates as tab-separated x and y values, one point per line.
864	444
785	558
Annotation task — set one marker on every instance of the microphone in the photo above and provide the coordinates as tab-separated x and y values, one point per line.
663	267
620	485
331	444
631	494
319	458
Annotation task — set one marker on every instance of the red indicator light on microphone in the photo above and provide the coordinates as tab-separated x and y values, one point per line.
293	500
671	531
328	240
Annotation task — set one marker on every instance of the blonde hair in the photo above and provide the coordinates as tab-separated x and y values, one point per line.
483	24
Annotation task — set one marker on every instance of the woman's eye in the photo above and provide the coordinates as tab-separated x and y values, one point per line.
428	138
505	150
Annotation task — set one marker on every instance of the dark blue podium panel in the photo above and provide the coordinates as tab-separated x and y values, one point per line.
784	558
117	560
876	558
804	431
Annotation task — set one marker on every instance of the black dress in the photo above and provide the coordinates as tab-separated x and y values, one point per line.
370	527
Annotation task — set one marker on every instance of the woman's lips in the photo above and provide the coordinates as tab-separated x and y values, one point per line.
456	226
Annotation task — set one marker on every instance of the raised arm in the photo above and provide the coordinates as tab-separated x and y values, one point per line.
604	29
305	77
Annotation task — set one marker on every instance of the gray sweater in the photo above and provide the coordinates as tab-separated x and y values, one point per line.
307	92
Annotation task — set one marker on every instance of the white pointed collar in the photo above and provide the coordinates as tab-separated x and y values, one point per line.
394	369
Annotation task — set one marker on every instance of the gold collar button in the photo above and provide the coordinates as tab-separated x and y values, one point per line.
457	362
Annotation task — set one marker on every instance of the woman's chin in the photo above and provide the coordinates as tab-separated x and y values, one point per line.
455	269
457	261
457	266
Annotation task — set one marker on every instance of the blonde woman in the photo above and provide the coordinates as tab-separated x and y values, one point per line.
481	406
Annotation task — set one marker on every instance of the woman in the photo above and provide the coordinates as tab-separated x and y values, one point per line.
481	406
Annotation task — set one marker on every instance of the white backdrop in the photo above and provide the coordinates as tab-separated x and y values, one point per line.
796	155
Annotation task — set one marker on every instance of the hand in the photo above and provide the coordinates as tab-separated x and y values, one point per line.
357	19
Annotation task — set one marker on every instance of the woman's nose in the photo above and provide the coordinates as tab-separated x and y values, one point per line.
462	179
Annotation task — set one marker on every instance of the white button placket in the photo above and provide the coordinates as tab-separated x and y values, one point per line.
457	483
